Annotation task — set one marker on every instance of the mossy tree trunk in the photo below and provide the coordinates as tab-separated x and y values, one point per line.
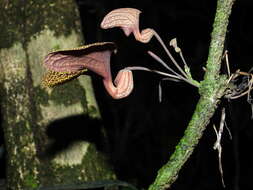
29	30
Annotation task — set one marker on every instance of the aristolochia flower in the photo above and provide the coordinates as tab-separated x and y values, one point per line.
65	65
128	20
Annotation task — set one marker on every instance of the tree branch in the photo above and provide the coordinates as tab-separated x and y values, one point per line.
211	90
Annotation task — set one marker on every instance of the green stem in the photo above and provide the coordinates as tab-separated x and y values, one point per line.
211	90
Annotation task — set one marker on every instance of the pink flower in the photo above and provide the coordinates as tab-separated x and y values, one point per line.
69	64
128	20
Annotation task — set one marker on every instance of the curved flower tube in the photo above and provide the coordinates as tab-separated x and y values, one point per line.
128	20
65	65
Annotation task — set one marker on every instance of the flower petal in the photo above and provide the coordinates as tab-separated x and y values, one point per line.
89	56
124	83
126	18
146	35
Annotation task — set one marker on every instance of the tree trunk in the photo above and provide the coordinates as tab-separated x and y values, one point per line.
31	113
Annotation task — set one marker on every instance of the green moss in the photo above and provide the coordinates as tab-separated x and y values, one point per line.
93	111
30	182
19	139
33	16
43	96
97	171
209	86
29	30
92	166
69	93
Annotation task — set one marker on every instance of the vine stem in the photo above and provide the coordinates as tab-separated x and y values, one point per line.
211	89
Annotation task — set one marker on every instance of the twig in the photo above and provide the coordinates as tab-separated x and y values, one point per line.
249	99
229	132
217	145
211	90
227	63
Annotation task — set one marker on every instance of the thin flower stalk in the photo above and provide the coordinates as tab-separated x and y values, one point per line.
169	54
161	73
153	55
128	20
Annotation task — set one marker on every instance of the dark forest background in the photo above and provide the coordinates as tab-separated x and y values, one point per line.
142	132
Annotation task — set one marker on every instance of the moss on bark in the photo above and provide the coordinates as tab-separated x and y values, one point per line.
19	140
36	28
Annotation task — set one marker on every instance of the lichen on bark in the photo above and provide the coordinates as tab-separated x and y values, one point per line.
19	140
35	28
21	19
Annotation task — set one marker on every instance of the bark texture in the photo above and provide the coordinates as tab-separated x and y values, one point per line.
29	30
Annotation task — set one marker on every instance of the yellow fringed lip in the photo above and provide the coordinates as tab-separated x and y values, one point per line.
53	78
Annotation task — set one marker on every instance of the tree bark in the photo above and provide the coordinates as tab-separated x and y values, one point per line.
29	30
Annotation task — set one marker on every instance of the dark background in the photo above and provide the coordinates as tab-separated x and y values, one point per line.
142	132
